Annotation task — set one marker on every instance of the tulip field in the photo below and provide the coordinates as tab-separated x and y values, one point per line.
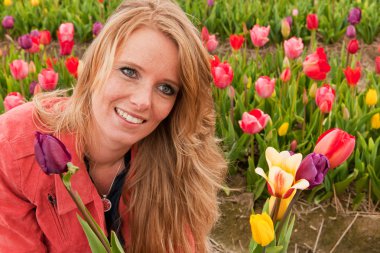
296	91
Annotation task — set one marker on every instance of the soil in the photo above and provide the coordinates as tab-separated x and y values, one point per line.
342	230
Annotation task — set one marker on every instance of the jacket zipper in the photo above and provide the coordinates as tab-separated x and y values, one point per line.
54	212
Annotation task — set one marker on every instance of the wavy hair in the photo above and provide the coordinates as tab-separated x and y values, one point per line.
174	178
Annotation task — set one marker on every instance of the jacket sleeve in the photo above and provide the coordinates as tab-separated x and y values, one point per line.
19	229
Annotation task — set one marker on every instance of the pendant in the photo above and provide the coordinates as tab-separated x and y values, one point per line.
106	203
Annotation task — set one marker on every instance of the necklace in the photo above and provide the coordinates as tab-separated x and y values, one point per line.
107	204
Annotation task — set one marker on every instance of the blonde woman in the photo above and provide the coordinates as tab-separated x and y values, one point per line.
140	125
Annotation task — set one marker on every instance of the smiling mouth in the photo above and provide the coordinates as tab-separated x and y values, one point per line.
128	118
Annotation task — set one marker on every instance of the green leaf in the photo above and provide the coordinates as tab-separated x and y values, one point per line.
341	186
274	249
361	183
115	244
94	242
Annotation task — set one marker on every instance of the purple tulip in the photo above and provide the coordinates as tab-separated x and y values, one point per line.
210	2
25	41
32	85
354	16
313	168
8	22
96	28
290	20
351	32
35	33
51	154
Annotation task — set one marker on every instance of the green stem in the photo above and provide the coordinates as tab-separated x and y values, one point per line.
275	209
253	149
288	210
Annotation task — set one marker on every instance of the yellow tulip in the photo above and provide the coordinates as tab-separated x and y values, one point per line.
375	121
371	97
283	205
8	2
283	130
35	2
285	28
313	90
262	229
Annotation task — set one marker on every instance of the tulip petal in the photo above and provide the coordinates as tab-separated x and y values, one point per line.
281	180
292	163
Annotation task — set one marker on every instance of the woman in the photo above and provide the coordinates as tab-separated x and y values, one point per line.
141	121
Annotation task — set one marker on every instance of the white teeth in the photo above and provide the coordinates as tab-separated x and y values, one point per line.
128	117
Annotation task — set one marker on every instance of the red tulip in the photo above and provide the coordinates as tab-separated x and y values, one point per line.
35	45
48	79
212	43
236	41
265	86
45	37
286	75
19	69
377	64
312	21
66	32
72	65
222	73
293	47
316	65
50	62
254	121
353	46
259	35
12	100
205	34
352	75
66	47
336	145
324	98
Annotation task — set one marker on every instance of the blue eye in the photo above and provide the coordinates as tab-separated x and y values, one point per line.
129	72
167	89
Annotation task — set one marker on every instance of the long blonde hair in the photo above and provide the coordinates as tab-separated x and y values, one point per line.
174	178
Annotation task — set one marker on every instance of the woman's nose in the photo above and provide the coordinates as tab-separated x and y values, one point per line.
142	97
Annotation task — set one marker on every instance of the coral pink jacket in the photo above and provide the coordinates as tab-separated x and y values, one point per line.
36	212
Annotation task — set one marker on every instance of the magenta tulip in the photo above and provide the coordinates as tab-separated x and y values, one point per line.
12	100
51	154
313	168
336	144
96	28
19	69
25	41
8	22
265	86
48	79
254	121
293	47
222	73
66	32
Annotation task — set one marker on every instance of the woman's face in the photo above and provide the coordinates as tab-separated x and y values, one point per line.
140	91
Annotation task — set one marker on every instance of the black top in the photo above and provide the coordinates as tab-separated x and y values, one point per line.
112	217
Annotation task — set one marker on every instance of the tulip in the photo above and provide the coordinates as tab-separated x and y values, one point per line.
284	203
345	113
19	69
25	41
236	41
313	90
96	28
72	65
212	43
12	100
35	33
316	65
290	20
352	75
293	47
34	2
286	75
254	121
283	129
35	44
8	22
210	2
354	16
205	34
32	86
32	67
324	98
375	121
66	32
377	64
262	228
351	32
313	168
48	79
305	98
295	12
45	37
222	73
293	146
51	154
264	86
66	47
8	2
50	62
312	22
283	167
371	97
259	35
336	145
353	46
285	28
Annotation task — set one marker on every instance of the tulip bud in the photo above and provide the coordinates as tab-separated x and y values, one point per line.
264	86
305	99
351	32
283	130
285	28
8	22
312	22
293	146
346	113
371	97
96	28
48	79
353	46
336	145
8	2
32	86
12	100
295	12
377	64
34	2
286	75
313	90
313	168
290	20
32	67
262	229
286	63
210	2
354	16
51	154
231	92
19	69
254	121
25	41
375	121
